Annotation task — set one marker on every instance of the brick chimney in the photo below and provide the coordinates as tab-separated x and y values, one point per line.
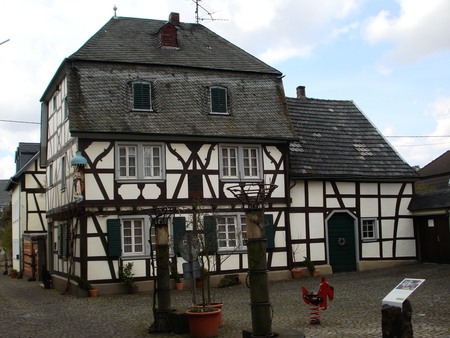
301	92
169	31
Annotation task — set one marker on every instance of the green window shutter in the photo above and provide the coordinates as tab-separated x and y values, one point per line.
218	100
270	231
141	96
60	242
114	237
179	230
209	224
65	240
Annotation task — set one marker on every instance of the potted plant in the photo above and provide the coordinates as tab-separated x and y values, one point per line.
126	275
85	285
13	273
46	278
311	267
205	317
176	276
296	271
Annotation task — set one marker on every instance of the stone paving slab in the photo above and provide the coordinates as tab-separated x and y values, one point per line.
28	310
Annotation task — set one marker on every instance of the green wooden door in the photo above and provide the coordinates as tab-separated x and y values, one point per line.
341	242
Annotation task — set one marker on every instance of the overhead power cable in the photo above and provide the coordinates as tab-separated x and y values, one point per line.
12	121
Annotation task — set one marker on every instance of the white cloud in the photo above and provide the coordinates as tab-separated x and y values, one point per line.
423	150
420	30
7	166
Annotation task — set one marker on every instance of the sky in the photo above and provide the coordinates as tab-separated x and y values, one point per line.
391	57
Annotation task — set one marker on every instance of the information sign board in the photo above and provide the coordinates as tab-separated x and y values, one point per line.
402	291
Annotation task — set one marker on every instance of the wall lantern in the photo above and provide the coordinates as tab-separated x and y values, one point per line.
78	162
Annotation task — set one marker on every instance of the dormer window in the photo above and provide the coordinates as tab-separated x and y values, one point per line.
142	96
219	100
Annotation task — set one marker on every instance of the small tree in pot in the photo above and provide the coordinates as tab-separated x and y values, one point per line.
126	275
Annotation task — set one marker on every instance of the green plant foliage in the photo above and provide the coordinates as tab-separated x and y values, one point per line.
309	265
6	229
174	273
82	283
126	275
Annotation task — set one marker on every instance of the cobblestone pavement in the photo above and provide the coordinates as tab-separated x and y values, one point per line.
28	310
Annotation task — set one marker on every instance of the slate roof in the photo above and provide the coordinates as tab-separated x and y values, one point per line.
336	140
133	40
5	197
437	172
125	49
430	200
25	151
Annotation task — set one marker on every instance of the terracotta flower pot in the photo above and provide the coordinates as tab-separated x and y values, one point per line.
296	273
215	305
13	274
204	324
93	292
179	286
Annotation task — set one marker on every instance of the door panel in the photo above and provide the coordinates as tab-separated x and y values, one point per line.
434	239
341	242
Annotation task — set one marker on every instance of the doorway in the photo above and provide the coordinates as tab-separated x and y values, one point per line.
341	241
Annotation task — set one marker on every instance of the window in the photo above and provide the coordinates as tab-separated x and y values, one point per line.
240	163
65	107
231	232
50	175
63	240
63	172
140	161
130	235
142	96
369	229
219	100
55	103
133	236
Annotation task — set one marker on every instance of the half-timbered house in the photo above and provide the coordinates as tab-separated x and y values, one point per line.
29	231
350	190
152	115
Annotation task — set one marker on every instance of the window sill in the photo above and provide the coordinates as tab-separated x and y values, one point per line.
139	180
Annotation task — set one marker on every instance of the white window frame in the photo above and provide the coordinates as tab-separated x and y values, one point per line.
65	107
148	233
63	172
239	234
50	175
239	163
139	162
364	230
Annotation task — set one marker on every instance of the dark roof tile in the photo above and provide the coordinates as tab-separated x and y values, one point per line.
337	140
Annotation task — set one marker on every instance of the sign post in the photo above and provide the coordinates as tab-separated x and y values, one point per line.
396	309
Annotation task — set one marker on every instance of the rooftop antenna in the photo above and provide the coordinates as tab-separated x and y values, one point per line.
115	11
210	14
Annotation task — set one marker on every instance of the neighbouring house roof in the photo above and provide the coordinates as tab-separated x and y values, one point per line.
430	200
126	49
336	140
437	172
5	197
26	153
